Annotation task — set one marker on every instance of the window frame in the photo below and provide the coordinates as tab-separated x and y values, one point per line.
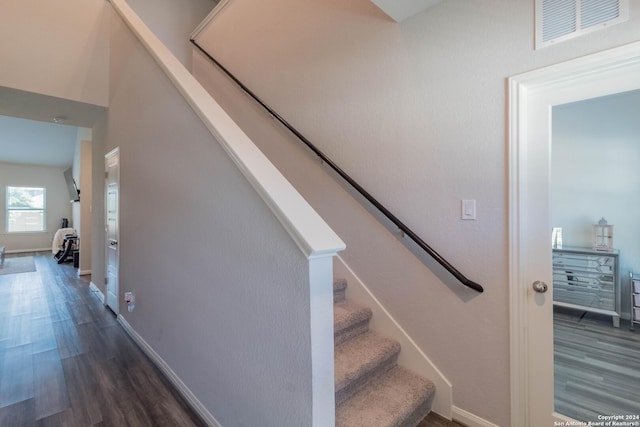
9	209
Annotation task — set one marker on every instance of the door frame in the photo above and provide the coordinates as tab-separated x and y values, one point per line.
599	74
116	309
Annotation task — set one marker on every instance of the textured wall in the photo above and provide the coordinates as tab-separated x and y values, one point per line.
416	113
56	48
83	210
99	140
173	22
222	292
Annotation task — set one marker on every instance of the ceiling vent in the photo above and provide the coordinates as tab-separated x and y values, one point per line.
559	20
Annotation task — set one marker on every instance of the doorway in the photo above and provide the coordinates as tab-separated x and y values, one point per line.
532	97
112	237
595	178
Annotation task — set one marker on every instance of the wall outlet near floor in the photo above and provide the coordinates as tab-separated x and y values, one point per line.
130	299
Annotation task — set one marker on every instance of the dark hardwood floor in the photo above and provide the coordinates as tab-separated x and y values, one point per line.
65	360
435	420
597	366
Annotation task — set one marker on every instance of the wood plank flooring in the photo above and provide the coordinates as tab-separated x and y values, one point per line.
65	361
435	420
597	366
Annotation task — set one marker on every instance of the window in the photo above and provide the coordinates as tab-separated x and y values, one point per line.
25	209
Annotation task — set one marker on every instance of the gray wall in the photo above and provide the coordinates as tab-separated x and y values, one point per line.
222	292
595	174
82	211
173	21
99	135
57	203
67	43
416	113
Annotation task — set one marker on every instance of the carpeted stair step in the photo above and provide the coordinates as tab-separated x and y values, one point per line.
397	398
361	359
349	320
339	290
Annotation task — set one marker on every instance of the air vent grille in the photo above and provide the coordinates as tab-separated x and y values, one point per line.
558	20
596	12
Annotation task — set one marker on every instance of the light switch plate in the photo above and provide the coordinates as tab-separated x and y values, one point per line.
468	209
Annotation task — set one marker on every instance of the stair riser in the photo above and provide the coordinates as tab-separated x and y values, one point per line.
371	389
419	414
350	332
397	398
351	387
339	290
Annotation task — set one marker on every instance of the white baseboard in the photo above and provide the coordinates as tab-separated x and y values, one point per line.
97	292
469	419
411	356
22	251
187	394
83	272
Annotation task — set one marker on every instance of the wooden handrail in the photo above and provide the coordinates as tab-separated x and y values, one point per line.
401	226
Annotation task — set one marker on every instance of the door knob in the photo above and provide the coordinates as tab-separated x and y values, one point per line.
113	243
540	287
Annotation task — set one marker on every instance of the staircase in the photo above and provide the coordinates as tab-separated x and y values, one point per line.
371	389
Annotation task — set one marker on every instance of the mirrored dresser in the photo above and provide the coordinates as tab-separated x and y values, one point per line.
635	300
588	280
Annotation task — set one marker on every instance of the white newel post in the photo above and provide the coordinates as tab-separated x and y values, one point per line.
321	307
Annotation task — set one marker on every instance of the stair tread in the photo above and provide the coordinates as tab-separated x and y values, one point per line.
396	398
360	356
347	313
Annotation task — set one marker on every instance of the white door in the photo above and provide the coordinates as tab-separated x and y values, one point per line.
532	96
112	199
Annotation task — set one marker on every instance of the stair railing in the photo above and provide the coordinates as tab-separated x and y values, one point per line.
401	226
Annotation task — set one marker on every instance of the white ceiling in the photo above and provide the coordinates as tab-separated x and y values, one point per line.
400	10
28	134
36	143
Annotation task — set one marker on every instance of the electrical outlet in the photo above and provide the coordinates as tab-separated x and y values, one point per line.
130	299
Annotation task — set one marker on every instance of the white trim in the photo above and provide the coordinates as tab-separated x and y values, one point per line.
411	356
307	229
113	152
401	10
210	17
469	419
97	292
323	409
115	307
22	251
184	391
620	66
517	298
83	272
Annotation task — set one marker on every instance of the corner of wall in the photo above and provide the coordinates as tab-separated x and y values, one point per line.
97	202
